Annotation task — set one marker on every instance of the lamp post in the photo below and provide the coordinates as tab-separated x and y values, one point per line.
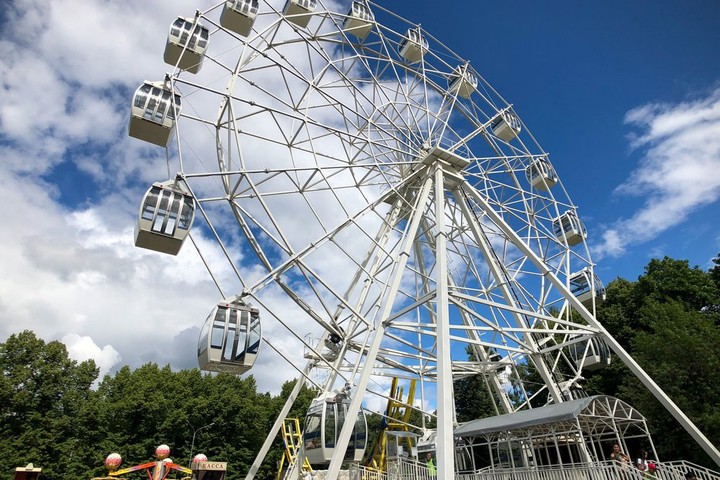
192	444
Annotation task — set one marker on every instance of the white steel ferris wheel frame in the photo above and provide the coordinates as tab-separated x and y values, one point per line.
336	153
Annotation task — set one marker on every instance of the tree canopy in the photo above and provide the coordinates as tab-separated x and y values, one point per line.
667	321
54	419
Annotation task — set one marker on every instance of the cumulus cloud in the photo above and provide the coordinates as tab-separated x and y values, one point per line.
680	146
83	348
65	85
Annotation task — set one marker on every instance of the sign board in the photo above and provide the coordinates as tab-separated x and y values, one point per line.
209	470
27	473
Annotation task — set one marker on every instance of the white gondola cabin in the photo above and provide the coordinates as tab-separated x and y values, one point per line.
359	20
506	126
299	11
239	16
587	287
186	44
154	111
541	174
230	339
323	423
568	228
166	215
590	354
462	81
413	46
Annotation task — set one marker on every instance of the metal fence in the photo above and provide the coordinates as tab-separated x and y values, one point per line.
410	470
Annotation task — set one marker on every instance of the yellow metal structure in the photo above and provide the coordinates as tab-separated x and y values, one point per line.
397	416
292	438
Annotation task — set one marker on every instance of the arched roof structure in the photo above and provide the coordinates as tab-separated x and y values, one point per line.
579	430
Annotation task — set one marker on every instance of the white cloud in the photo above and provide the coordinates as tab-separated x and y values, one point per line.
65	86
83	348
677	173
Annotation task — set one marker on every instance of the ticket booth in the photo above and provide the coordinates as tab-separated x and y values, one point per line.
401	445
29	472
209	470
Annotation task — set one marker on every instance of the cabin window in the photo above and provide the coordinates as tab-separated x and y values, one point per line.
151	199
203	41
176	27
218	329
161	212
230	343
245	7
203	341
312	428
150	107
579	285
172	218
360	433
330	425
242	338
186	214
254	340
142	95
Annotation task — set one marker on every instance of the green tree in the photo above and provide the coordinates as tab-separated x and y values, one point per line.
618	311
681	355
43	395
675	280
666	322
473	397
715	271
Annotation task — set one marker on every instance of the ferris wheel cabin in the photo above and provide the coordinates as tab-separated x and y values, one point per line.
506	126
323	423
569	228
462	81
166	215
230	339
413	46
186	44
239	16
359	20
541	174
587	287
299	11
591	354
154	111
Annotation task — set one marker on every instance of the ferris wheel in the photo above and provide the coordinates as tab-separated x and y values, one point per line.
344	159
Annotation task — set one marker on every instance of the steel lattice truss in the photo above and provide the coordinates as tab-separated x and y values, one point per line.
317	126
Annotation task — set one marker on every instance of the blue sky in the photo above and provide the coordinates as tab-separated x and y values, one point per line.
573	70
625	96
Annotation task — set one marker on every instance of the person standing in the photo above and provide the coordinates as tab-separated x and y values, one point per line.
618	456
621	460
642	460
432	471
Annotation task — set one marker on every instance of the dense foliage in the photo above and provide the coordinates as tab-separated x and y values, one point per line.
669	320
52	418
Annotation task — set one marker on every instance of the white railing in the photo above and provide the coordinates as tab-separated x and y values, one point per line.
679	468
360	472
410	470
407	469
593	471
